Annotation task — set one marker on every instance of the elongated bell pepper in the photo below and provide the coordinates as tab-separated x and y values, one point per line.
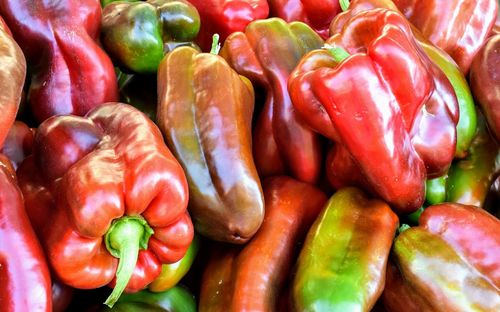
116	194
411	135
342	263
205	112
266	53
70	73
177	299
225	17
18	143
466	127
24	274
459	27
485	82
451	260
136	35
258	271
318	14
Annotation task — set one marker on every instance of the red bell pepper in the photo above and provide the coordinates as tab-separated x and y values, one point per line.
12	78
224	17
316	13
116	194
267	53
24	275
357	95
70	73
18	143
459	27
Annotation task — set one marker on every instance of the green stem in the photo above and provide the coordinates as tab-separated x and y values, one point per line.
344	4
123	240
338	53
215	44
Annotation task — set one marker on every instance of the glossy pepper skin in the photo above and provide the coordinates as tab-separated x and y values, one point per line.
485	82
412	135
136	35
450	260
253	277
266	53
118	155
225	17
24	274
18	143
342	263
466	127
205	113
459	27
11	78
70	73
317	14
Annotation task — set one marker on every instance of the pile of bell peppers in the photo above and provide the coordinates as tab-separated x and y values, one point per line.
249	155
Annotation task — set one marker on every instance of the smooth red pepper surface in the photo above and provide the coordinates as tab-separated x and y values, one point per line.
316	13
71	74
392	111
224	17
86	172
459	27
24	275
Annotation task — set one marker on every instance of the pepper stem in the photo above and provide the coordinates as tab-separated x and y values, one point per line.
338	53
344	4
215	44
123	240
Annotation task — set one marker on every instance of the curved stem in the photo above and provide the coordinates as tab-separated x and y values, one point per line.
344	4
338	53
215	44
123	240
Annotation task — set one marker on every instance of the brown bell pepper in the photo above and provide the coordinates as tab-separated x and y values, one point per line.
253	277
205	113
266	53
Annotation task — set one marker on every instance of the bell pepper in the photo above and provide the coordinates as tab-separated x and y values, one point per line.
11	79
136	35
458	27
466	127
172	273
225	17
24	274
485	82
70	73
252	278
18	143
342	263
451	260
412	135
205	113
266	53
116	155
177	299
317	14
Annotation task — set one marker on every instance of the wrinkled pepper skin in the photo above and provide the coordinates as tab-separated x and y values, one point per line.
205	113
18	143
412	135
11	79
172	273
177	299
225	17
258	272
316	13
345	270
136	35
118	155
459	27
466	127
267	53
485	82
70	73
24	274
451	260
470	179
